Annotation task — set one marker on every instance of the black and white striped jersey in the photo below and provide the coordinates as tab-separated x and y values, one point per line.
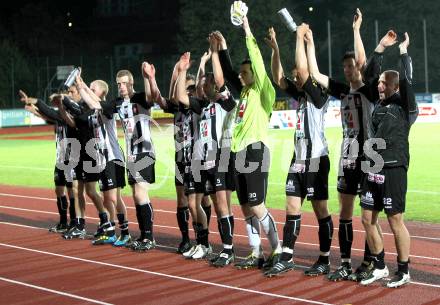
62	132
179	113
213	132
92	136
356	109
135	115
112	144
310	141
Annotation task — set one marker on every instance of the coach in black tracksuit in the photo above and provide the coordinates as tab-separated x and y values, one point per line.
386	188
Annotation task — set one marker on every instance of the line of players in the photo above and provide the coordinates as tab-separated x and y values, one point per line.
210	160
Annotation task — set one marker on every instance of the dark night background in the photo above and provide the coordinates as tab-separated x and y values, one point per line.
108	35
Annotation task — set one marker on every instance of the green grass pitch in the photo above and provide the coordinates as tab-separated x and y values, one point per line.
30	163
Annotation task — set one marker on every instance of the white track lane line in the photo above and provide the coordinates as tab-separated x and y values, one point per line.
236	218
54	291
174	248
214	232
175	277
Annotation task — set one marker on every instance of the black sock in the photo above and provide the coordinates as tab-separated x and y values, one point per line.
290	234
325	233
62	209
146	211
225	230
182	220
109	228
197	228
141	220
103	218
367	253
72	211
207	210
231	220
402	266
123	224
379	260
80	223
203	237
345	237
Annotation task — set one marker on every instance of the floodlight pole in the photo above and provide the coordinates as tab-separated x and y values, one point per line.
425	52
329	35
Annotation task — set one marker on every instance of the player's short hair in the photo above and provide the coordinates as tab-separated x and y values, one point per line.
247	61
392	75
349	55
190	77
101	84
122	73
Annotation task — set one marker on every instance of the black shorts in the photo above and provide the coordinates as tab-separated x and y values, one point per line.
141	169
112	176
251	173
179	173
63	177
308	179
83	175
191	186
385	190
350	176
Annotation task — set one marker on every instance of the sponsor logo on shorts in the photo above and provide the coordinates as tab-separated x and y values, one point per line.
252	196
342	184
367	198
289	186
376	178
388	203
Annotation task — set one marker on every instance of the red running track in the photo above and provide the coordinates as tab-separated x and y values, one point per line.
39	267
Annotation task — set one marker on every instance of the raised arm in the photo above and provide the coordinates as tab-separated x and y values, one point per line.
359	51
181	93
276	66
174	76
156	96
373	68
147	88
254	55
68	119
201	72
322	79
39	108
226	63
88	96
409	103
300	54
215	60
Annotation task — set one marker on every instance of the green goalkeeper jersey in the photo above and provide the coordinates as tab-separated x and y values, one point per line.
255	106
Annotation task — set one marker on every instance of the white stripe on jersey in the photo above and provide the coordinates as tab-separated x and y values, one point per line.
62	149
136	123
352	125
113	148
310	135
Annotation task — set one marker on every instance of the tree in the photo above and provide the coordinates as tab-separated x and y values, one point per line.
16	74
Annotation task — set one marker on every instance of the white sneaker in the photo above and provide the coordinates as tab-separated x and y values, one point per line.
190	252
399	279
374	275
201	252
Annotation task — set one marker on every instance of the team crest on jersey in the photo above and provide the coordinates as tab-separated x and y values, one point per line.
241	111
135	109
357	100
212	111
